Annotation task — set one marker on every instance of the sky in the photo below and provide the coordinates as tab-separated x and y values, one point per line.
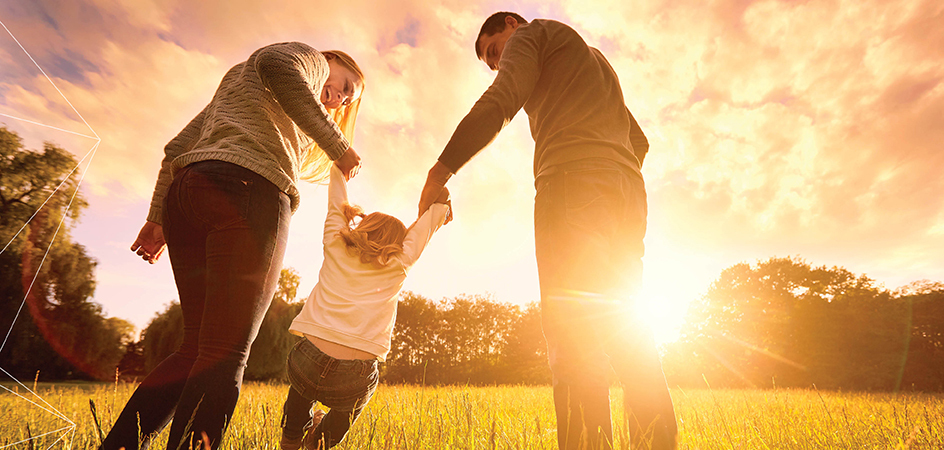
812	129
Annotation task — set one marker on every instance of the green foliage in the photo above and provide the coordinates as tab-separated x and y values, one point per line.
466	340
56	329
785	323
163	336
270	349
524	355
132	364
924	367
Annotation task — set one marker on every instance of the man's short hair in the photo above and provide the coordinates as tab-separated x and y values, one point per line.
495	24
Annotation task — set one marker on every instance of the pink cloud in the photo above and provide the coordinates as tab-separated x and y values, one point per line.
777	128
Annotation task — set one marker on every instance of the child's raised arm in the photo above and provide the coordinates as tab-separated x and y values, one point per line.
337	197
422	230
446	200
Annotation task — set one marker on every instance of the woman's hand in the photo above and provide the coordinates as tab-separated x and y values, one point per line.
349	163
150	242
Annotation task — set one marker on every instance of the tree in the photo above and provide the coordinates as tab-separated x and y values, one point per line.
47	280
163	335
132	364
475	331
415	340
524	356
924	364
270	349
465	340
785	323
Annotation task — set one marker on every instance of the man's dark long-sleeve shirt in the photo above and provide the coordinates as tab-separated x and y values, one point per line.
572	97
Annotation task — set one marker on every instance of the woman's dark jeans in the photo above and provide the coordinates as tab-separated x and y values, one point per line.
226	229
344	385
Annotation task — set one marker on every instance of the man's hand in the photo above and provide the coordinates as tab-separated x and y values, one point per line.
150	242
435	184
349	163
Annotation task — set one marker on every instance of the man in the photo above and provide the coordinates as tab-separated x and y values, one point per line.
589	220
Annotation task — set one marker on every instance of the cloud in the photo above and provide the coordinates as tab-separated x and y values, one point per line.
782	125
776	128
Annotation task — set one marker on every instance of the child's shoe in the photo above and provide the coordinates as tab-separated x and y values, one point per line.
290	444
309	442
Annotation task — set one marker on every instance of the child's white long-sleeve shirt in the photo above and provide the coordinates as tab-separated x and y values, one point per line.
355	304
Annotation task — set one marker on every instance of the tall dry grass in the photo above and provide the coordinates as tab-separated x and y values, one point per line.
508	417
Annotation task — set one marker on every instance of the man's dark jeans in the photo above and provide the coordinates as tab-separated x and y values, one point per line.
344	385
226	229
589	221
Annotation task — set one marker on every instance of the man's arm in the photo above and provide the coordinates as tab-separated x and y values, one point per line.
518	73
476	130
435	186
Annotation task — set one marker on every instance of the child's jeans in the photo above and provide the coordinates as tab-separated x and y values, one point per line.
344	385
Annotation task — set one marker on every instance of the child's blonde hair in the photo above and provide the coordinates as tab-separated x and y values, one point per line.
377	238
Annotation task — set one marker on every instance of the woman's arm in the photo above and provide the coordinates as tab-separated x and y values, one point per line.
289	70
149	244
182	143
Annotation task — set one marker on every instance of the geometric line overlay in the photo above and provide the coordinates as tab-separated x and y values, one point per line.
65	433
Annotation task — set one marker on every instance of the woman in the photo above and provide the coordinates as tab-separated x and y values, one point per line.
223	200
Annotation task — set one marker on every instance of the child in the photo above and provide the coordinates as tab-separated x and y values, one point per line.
348	319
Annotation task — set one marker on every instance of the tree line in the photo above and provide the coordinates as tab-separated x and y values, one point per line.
776	323
464	340
783	322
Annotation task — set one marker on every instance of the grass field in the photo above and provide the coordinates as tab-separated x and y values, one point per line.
514	418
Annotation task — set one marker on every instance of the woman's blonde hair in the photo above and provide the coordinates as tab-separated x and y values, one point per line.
316	165
376	238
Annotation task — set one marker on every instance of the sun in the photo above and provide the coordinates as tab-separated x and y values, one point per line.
665	316
671	281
